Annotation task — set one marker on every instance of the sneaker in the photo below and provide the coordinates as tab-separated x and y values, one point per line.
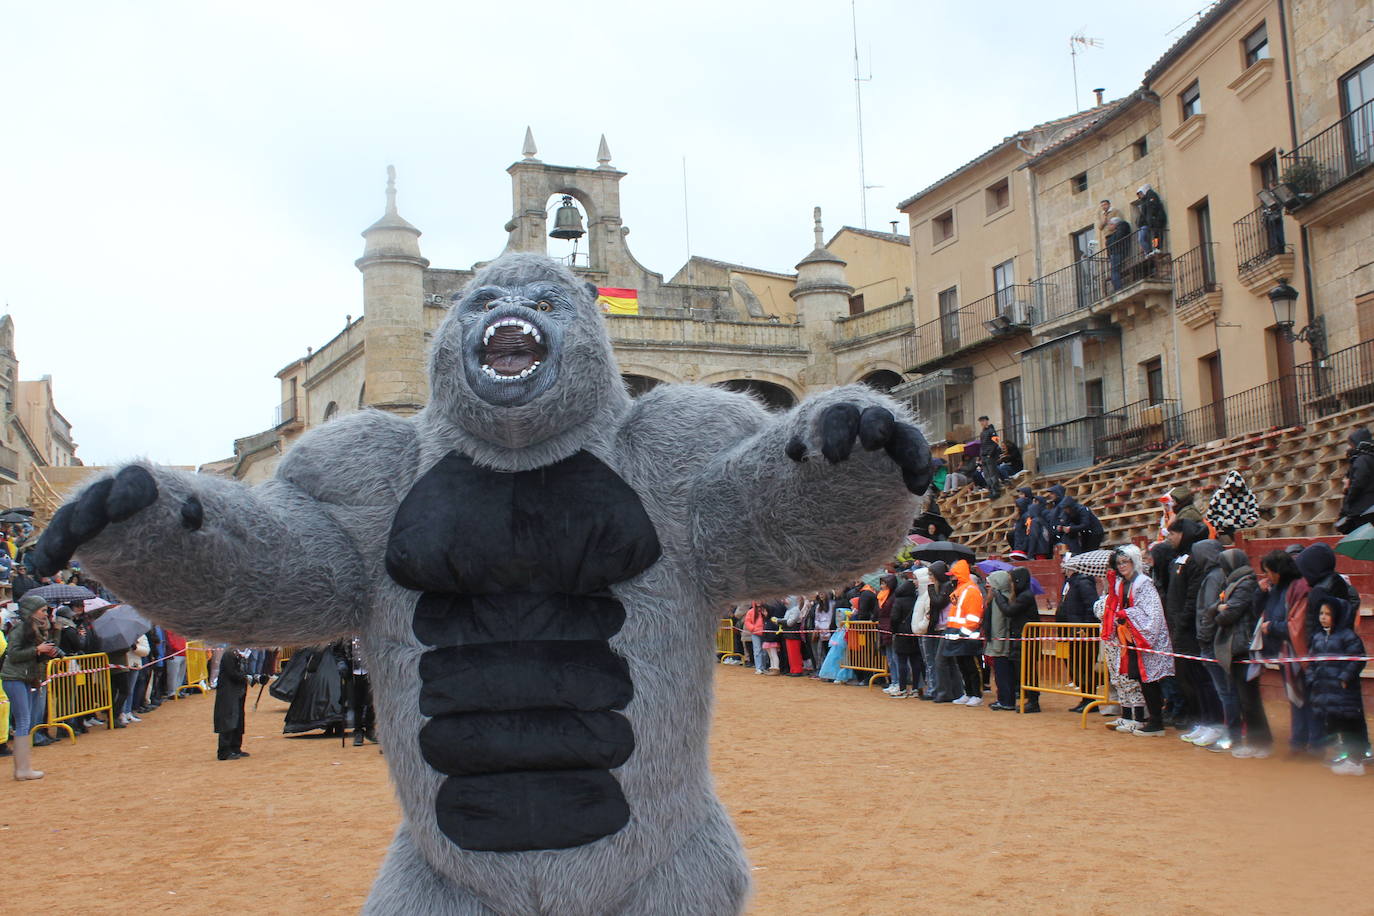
132	718
1221	745
945	700
1209	737
963	699
974	701
1126	726
1347	767
1245	751
998	707
1145	730
1115	724
1082	705
1195	732
758	671
892	690
1110	709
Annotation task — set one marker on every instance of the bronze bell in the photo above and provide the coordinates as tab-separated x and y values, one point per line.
567	222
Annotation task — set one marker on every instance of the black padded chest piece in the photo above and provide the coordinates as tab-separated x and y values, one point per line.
522	687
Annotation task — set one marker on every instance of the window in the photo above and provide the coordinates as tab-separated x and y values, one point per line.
1267	170
1142	148
1094	396
1357	91
954	410
1079	182
998	196
856	304
331	410
1256	46
942	227
1153	370
1190	100
1013	413
949	318
1202	228
1083	243
1003	279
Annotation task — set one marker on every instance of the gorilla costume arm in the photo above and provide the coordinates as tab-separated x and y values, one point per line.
800	500
289	562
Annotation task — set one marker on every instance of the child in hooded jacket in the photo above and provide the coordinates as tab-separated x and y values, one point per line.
1333	687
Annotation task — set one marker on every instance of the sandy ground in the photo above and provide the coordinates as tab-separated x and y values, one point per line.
849	802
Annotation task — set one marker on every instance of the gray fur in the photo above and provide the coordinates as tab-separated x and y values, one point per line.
299	561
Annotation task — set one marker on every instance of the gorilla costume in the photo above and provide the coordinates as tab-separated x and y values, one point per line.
535	563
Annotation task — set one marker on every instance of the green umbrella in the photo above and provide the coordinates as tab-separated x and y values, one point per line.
1358	544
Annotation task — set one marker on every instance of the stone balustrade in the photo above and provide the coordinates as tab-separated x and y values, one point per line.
643	331
888	319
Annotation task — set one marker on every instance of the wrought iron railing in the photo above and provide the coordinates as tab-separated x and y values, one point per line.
1273	404
1195	273
1095	278
1072	443
1337	153
1145	426
286	412
1342	380
1259	237
1005	313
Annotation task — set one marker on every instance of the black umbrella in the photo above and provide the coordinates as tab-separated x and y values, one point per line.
12	517
56	594
27	513
948	551
120	627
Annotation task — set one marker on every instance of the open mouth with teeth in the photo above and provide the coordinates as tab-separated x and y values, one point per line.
512	349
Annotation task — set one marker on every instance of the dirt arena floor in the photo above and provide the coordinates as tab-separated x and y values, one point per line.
849	802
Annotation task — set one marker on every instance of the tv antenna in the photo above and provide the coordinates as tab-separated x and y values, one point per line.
859	80
1078	43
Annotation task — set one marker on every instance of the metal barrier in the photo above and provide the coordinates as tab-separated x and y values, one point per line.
78	686
197	667
864	649
725	640
1064	658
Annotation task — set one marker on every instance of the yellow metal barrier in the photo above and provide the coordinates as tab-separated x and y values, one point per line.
4	717
1064	658
78	686
725	640
864	649
197	667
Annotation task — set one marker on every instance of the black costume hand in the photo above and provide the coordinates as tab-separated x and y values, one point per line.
874	428
113	499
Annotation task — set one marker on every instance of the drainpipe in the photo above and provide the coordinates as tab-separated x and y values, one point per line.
1303	241
1034	209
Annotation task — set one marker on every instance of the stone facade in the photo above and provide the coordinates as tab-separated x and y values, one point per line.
36	439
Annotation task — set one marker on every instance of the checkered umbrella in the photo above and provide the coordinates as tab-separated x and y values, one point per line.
1094	562
56	594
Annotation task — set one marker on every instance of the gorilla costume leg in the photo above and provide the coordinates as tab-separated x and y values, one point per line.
677	887
408	885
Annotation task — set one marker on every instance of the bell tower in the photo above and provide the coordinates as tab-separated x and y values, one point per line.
393	311
597	190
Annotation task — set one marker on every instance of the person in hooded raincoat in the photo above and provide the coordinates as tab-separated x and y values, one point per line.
963	641
1333	687
831	669
1135	616
1283	631
1232	507
906	646
1357	507
1193	698
1206	557
1237	614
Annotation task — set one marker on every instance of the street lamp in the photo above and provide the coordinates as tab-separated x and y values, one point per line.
1284	299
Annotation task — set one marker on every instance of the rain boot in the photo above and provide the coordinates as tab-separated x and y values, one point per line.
23	761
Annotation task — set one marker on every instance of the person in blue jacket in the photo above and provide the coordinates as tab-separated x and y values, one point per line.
1333	687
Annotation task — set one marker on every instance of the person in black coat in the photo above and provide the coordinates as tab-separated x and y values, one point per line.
230	697
1024	610
1333	687
906	647
1236	613
1076	606
1358	505
1191	693
989	457
1082	531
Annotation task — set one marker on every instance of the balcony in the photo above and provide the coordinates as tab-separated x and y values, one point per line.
1263	255
1325	163
643	332
9	465
288	417
1007	313
887	321
1115	283
1196	293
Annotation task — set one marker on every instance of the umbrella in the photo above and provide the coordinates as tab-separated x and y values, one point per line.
21	511
120	627
973	449
1094	562
917	539
954	450
11	517
943	550
991	566
1358	544
59	593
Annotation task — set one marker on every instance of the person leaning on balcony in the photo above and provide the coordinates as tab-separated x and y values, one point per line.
1153	220
1118	241
1358	505
1105	214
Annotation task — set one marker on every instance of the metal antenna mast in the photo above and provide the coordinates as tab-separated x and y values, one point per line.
859	113
1077	45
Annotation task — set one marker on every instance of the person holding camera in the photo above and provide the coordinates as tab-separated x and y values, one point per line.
31	645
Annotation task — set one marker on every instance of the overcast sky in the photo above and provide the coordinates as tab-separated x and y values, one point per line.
184	183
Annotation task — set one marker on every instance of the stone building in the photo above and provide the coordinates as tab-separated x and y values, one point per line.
840	317
36	442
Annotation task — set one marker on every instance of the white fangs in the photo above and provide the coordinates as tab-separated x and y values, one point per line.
524	326
493	374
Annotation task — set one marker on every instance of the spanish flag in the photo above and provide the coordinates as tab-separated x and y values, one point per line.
618	301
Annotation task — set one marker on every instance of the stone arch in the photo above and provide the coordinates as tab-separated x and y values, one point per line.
641	379
331	410
362	396
762	375
778	392
882	378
